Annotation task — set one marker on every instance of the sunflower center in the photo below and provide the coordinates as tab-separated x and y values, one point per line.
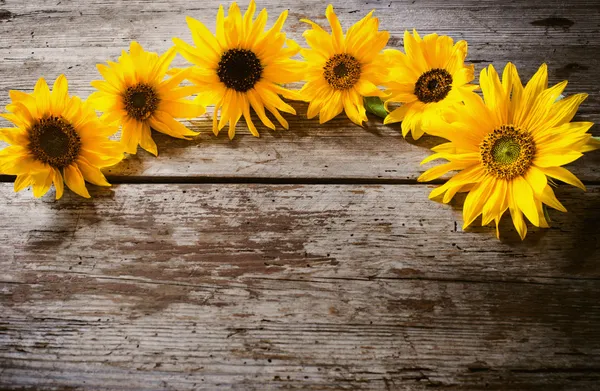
54	141
141	101
433	85
507	152
239	69
342	71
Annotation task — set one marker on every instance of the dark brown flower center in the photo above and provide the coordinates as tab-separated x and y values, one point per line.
433	85
54	141
239	69
141	101
507	152
342	71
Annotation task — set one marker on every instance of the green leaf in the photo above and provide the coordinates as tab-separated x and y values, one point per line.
546	215
374	105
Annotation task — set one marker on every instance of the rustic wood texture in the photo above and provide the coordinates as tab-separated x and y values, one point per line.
186	286
308	259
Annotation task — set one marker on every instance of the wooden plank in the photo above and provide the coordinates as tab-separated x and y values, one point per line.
48	38
320	287
389	230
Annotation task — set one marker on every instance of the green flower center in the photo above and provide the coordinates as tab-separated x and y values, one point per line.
507	152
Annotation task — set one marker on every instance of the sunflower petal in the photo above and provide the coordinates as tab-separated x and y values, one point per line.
58	183
91	173
562	174
74	180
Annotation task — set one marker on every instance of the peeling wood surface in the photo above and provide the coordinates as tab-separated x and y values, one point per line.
305	283
316	287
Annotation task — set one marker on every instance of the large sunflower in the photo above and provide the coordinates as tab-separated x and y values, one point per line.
342	69
57	137
427	80
508	147
242	66
136	95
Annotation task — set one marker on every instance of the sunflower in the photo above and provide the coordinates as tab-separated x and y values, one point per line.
136	95
430	78
509	147
342	69
57	137
242	66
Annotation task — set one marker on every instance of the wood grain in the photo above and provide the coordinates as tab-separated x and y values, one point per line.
304	260
46	38
322	287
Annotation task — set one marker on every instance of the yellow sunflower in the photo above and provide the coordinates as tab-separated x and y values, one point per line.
342	69
508	148
242	66
57	137
136	95
430	78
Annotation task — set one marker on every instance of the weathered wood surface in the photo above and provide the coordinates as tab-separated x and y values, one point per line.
51	37
304	284
318	287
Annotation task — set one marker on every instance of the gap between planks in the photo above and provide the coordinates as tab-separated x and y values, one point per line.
165	180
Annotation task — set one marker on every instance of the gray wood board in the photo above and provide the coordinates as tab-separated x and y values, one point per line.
254	287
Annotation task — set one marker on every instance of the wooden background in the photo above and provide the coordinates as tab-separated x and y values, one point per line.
308	259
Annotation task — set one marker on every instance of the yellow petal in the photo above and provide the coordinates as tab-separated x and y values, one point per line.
42	96
492	208
203	38
41	182
536	179
251	127
21	182
397	114
58	183
336	28
548	198
259	108
146	141
27	100
181	109
556	159
160	67
111	76
525	199
60	94
516	214
564	110
331	108
74	180
476	199
436	172
105	87
493	93
278	116
14	136
91	173
562	174
130	135
164	123
534	87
